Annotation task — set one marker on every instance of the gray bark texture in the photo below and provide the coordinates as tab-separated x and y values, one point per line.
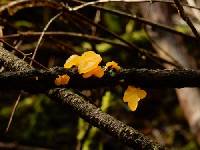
86	110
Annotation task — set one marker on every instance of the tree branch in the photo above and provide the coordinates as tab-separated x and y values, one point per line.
12	62
64	35
152	56
85	4
89	112
139	19
186	19
21	4
107	123
43	80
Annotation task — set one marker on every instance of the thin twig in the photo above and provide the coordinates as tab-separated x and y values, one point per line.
141	20
22	53
196	13
97	19
186	19
82	141
21	4
161	49
14	6
41	36
126	1
150	55
65	34
13	111
70	20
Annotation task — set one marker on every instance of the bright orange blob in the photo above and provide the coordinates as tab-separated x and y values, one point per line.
72	61
132	105
113	65
88	61
132	95
62	80
97	72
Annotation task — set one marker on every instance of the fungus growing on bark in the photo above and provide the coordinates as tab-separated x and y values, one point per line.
132	96
88	61
62	80
72	61
97	72
113	65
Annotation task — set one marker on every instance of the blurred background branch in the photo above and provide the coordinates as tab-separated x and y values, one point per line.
137	34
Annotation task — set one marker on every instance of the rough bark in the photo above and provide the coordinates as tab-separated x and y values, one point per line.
44	80
107	123
12	62
88	111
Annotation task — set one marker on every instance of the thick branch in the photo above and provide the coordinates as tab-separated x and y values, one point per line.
12	62
43	80
89	112
107	123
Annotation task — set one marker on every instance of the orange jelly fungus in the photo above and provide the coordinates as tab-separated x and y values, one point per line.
88	61
132	95
113	65
72	61
62	80
97	72
132	105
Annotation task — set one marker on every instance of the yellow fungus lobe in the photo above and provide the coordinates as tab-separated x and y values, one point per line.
88	61
132	95
113	65
62	80
72	61
132	105
97	72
